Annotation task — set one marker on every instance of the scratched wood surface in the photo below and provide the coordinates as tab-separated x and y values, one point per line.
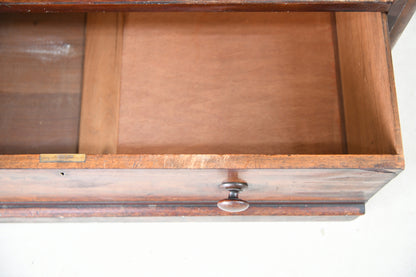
40	82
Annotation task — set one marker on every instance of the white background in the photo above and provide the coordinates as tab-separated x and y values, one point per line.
381	243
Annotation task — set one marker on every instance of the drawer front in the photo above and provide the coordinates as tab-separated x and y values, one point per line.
179	192
164	185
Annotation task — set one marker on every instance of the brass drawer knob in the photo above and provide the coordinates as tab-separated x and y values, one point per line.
233	204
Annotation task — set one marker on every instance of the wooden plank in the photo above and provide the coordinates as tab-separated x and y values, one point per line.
187	185
28	6
40	82
229	83
101	84
69	210
370	162
370	105
399	16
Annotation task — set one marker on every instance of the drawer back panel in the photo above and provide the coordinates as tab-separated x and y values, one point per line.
229	83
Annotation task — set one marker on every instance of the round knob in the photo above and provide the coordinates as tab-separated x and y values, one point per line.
233	204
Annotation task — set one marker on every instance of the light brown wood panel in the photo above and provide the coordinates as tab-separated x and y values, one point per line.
96	185
229	83
101	83
40	82
370	105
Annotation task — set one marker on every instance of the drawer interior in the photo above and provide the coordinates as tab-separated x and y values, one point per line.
196	83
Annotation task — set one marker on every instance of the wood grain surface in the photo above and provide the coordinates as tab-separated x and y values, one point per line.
40	82
101	84
220	84
371	162
185	185
38	123
369	96
217	83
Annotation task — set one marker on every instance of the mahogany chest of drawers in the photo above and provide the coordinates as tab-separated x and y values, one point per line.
177	109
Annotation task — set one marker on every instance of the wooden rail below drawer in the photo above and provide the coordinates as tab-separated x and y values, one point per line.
175	209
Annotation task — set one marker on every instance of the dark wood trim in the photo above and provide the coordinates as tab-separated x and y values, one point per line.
210	161
62	210
399	11
399	16
394	12
38	6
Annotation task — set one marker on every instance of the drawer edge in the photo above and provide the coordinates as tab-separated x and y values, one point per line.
210	161
37	6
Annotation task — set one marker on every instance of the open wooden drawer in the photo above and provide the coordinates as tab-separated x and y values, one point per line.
147	114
